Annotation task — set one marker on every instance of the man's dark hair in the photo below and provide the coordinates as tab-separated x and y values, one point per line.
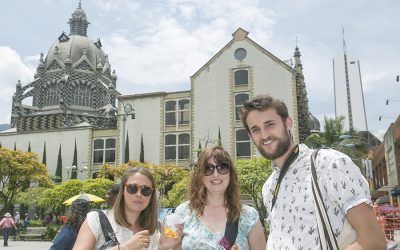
114	188
262	103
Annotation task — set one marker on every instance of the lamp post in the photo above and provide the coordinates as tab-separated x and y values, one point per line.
75	168
384	116
391	99
128	111
70	169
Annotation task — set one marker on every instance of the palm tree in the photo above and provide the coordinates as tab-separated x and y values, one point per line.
334	136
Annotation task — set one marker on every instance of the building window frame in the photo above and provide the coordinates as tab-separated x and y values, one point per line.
177	146
241	77
177	112
104	151
239	103
243	142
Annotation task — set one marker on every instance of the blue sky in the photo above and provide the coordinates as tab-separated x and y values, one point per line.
158	45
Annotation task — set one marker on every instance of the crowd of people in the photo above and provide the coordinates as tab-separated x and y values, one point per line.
214	217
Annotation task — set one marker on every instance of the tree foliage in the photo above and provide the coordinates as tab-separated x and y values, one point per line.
252	175
165	176
334	136
177	194
74	172
58	175
18	168
54	197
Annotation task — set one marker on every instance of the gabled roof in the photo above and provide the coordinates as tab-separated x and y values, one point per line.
240	35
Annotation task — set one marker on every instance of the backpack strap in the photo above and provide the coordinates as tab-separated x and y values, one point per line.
231	231
108	231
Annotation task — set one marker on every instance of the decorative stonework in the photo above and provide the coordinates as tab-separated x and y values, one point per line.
72	85
302	100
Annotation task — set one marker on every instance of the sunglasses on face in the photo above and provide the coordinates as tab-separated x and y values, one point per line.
222	168
134	188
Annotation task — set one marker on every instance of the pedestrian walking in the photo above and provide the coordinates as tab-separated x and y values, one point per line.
7	224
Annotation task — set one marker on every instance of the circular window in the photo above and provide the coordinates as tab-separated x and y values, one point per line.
240	54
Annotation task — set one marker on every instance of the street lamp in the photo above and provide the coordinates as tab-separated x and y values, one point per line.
128	111
390	99
384	116
75	168
70	169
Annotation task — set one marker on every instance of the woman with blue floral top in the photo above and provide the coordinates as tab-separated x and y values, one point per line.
214	199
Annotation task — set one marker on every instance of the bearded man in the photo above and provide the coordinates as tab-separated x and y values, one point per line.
288	195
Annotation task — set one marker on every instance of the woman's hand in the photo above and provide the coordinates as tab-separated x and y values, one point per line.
138	241
171	243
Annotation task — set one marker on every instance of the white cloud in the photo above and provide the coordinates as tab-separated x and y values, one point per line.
180	38
12	69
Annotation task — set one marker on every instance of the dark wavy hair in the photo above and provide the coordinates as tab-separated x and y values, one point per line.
262	103
198	191
77	213
148	217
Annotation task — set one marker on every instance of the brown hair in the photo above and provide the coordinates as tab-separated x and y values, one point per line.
198	191
262	103
148	217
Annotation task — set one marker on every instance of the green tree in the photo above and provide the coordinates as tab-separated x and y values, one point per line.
252	175
127	147
98	186
165	176
29	147
141	157
219	140
74	172
16	169
58	177
177	194
44	160
54	197
334	136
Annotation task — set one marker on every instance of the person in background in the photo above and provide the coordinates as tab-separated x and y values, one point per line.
65	239
287	193
17	219
26	221
112	194
133	217
214	200
7	224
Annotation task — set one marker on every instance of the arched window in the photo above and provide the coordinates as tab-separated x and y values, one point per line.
184	111
241	77
170	113
242	143
51	96
82	96
239	100
177	111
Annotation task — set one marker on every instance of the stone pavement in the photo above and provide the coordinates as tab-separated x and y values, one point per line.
26	245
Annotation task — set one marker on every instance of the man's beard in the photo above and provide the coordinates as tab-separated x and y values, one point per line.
281	148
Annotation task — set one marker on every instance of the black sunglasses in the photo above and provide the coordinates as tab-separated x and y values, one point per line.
134	188
222	168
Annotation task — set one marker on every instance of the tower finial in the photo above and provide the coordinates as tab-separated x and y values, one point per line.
297	40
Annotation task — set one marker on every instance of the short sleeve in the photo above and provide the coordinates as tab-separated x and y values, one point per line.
248	219
92	219
154	239
343	181
183	209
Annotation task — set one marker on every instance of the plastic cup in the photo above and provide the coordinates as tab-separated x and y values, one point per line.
170	222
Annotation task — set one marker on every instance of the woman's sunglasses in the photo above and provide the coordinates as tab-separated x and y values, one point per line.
222	168
134	188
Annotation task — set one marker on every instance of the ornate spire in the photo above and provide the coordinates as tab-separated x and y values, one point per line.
78	22
297	62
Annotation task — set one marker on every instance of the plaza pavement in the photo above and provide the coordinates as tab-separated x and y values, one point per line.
26	245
